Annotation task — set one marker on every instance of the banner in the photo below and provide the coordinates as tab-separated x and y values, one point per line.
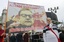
25	17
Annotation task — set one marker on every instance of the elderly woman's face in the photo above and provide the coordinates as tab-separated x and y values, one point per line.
49	21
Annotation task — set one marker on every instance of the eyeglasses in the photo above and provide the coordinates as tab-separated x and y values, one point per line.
25	15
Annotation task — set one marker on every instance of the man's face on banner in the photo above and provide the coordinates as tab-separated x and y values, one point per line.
26	18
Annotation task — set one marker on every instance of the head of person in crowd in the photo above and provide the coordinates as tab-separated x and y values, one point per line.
0	26
49	21
26	18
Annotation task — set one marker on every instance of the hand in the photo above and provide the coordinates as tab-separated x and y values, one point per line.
3	34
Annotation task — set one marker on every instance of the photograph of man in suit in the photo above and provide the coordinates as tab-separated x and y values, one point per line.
22	20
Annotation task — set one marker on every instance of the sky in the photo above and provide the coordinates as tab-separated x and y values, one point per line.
46	3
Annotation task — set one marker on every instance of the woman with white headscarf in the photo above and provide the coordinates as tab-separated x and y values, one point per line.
50	32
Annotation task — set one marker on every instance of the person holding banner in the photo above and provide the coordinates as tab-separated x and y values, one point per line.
2	34
50	32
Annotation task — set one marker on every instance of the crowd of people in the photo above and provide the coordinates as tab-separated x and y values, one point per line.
50	33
